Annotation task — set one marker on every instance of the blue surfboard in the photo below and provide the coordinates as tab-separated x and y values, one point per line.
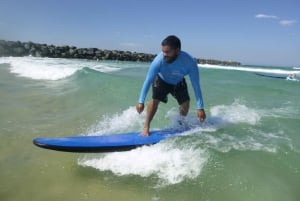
105	143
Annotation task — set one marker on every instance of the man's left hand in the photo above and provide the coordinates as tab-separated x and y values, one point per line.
201	115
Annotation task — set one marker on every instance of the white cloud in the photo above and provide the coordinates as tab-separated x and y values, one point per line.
287	22
274	17
264	16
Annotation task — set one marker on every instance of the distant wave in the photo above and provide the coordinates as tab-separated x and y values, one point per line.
37	68
51	68
250	69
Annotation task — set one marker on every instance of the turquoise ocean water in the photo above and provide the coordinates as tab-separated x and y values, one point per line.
248	148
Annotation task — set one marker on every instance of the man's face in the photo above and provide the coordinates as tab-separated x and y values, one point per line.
170	54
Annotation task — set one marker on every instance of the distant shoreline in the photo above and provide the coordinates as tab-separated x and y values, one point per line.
19	49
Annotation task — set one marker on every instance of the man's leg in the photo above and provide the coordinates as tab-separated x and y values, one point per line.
184	108
151	110
183	98
183	111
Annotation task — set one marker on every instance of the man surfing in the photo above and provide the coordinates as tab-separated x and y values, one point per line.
166	74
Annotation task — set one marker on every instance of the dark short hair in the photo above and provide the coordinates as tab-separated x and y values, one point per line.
172	41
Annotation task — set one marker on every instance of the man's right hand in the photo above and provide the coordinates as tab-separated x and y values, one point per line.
139	107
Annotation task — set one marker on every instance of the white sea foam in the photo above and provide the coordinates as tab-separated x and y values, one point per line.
120	122
169	164
51	68
251	69
164	161
253	139
40	68
235	113
177	159
103	68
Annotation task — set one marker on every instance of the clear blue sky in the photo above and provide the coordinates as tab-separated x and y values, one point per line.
263	32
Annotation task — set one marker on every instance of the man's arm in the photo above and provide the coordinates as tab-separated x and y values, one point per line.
194	76
152	72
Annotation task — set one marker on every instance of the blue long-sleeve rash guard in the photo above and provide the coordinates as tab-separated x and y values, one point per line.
173	73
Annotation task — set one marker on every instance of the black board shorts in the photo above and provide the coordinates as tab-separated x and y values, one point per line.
161	89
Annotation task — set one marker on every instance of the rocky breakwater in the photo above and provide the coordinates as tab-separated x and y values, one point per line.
19	49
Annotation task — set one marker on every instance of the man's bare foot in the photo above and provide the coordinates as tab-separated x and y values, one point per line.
145	132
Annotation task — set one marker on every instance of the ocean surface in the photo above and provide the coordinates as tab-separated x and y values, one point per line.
247	149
